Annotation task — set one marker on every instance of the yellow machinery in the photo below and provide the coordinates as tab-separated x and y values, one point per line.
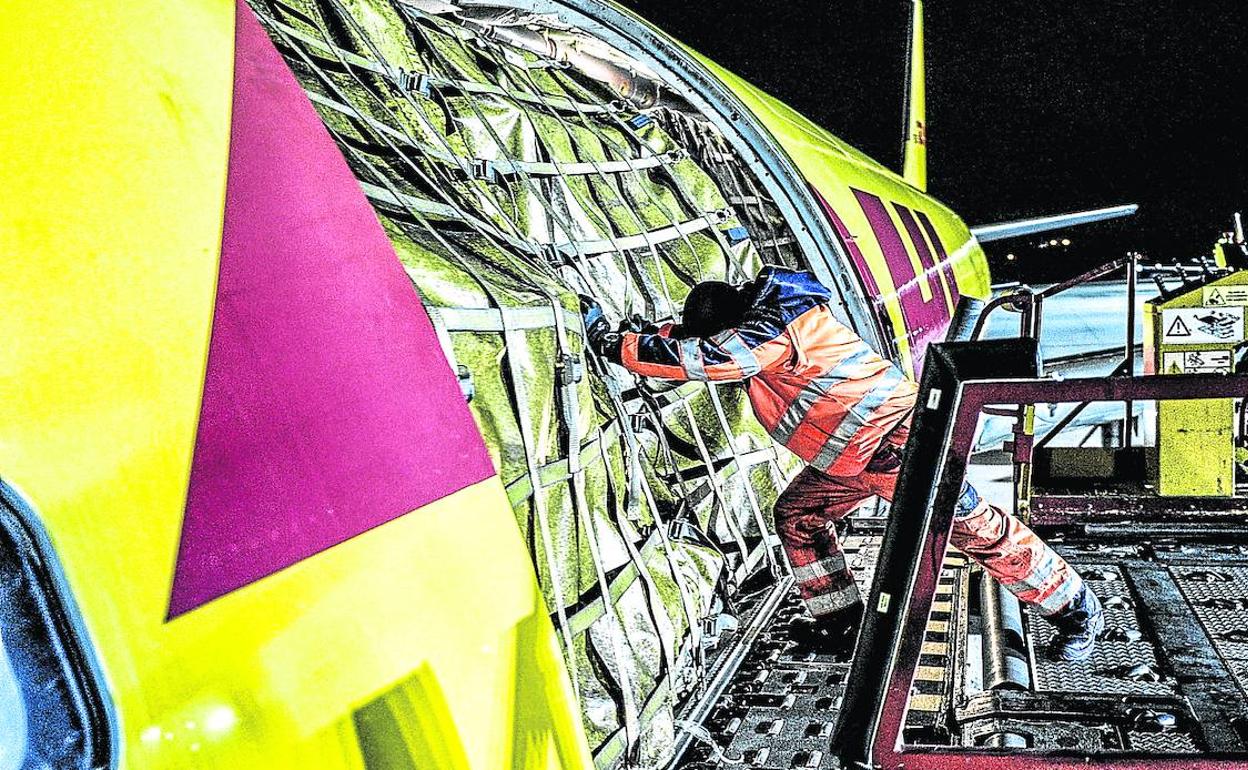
1196	332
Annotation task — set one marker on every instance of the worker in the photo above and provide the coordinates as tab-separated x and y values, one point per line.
823	393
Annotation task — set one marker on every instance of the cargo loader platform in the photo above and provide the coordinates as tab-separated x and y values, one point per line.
1166	686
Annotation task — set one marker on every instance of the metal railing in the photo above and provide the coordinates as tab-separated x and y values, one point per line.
959	381
1030	305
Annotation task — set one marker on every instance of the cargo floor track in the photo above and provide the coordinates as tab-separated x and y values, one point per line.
1169	676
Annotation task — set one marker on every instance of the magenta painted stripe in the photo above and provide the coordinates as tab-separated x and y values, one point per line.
942	256
926	320
871	288
931	266
855	254
328	407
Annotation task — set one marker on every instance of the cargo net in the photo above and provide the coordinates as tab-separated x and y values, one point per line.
508	183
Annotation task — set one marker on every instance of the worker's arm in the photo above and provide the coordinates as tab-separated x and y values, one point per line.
731	355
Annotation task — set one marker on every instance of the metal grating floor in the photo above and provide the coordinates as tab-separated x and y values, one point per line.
1170	676
779	710
1125	661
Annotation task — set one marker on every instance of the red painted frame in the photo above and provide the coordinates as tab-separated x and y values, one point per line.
887	748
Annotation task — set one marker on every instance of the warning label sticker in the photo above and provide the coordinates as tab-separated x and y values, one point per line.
1221	296
1202	325
1197	362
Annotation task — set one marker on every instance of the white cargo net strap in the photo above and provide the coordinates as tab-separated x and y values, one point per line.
703	735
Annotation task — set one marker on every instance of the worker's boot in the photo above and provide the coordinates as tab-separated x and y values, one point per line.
831	634
1078	625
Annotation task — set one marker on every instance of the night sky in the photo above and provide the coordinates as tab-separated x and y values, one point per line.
1033	108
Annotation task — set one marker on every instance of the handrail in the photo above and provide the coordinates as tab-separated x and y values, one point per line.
1090	275
1030	324
1027	295
959	380
1024	295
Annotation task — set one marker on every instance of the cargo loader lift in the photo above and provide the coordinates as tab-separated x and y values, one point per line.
948	670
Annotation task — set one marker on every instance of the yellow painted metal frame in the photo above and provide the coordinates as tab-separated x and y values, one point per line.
1195	438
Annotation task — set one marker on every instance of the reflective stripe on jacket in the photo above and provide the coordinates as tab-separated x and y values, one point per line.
816	387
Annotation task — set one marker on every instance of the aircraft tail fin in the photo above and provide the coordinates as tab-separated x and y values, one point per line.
915	164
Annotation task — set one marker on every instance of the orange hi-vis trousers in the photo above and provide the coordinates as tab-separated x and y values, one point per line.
807	511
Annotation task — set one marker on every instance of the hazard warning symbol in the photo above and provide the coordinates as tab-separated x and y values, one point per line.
1220	296
1202	325
1197	362
1179	328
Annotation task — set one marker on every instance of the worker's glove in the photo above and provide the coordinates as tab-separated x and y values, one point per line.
636	323
598	333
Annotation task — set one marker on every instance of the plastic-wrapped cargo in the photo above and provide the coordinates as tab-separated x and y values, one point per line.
510	182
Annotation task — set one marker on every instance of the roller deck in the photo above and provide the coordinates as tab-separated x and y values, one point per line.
1169	676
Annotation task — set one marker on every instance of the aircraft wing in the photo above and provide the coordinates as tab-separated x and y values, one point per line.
1001	230
1084	335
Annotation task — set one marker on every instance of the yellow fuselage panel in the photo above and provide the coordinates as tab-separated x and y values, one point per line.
111	229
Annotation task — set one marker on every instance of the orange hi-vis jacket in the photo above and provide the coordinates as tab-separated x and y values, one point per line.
816	387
